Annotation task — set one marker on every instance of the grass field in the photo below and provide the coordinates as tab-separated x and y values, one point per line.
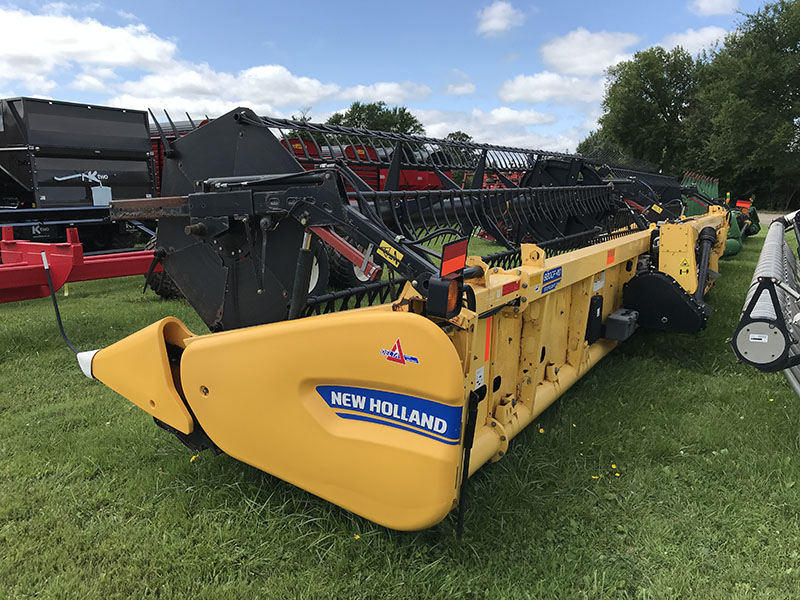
97	502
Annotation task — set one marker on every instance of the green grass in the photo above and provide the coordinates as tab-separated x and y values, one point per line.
97	502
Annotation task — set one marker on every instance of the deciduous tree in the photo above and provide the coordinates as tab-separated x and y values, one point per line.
377	115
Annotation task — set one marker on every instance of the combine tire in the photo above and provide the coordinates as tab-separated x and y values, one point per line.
345	274
320	271
97	239
161	283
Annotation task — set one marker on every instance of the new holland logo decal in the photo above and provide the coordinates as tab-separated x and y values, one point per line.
396	355
420	416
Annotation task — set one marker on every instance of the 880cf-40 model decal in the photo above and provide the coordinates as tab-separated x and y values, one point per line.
417	415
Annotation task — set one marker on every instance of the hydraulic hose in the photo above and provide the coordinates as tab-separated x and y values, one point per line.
706	241
55	304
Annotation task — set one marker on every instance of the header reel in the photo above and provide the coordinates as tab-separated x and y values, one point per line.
245	222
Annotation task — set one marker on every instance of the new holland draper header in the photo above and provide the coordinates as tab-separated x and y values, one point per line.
386	409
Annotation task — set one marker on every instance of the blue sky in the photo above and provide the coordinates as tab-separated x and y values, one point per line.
512	72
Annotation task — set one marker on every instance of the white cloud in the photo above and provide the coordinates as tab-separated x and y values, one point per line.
196	107
460	89
93	79
498	126
581	52
87	82
388	91
544	86
64	41
461	85
498	17
103	73
497	129
706	8
37	85
592	117
202	89
694	40
510	116
124	14
62	8
66	44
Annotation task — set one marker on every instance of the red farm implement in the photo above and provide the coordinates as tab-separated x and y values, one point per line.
23	276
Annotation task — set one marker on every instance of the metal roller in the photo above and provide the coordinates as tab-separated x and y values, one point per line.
768	331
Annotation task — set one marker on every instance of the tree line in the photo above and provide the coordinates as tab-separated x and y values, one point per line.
733	112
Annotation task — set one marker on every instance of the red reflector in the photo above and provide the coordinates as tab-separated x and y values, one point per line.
510	287
454	257
742	204
610	256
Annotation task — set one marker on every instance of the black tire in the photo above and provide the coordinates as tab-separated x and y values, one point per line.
122	241
320	271
344	274
98	239
161	283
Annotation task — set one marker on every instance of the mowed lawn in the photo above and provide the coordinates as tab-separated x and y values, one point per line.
97	502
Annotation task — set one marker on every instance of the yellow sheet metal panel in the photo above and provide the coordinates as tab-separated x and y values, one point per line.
363	408
137	367
677	255
529	355
678	242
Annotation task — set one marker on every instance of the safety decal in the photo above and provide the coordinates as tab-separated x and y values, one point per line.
656	209
396	355
551	279
479	374
600	282
440	422
684	267
389	253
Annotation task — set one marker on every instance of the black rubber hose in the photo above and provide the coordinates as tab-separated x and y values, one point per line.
707	238
55	304
469	438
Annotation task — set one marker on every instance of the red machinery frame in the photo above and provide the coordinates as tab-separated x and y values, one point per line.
22	274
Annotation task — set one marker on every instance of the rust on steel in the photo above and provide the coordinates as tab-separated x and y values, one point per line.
149	208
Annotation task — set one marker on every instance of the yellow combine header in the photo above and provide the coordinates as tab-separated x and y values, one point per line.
385	410
385	397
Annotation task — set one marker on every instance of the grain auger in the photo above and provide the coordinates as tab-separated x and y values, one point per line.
386	397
